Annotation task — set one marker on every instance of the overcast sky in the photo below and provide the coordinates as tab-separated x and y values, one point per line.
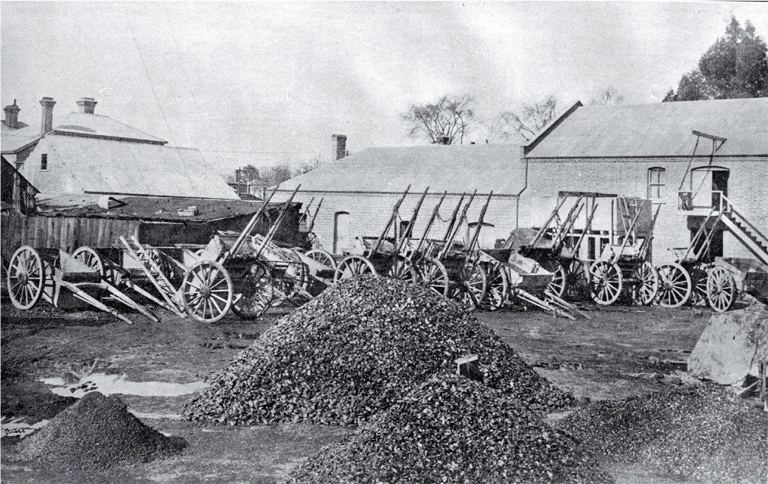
262	83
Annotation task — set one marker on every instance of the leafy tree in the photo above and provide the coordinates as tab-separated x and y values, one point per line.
446	121
735	66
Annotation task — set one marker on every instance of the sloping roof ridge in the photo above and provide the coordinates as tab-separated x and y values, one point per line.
149	137
676	103
554	124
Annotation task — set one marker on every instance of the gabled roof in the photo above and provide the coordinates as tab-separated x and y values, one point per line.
14	140
456	169
658	130
97	126
94	165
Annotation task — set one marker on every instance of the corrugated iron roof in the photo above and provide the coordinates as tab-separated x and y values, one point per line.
118	167
456	169
157	209
94	125
662	129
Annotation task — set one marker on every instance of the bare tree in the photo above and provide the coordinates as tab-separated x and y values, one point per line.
447	121
310	165
535	117
607	97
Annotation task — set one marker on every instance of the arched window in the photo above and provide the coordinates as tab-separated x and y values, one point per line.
655	182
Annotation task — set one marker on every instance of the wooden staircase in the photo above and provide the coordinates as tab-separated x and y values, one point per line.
753	239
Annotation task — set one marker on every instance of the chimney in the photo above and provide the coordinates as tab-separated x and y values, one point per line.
339	146
47	121
87	105
12	115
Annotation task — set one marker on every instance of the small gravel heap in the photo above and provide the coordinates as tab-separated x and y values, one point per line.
703	432
452	429
96	433
355	350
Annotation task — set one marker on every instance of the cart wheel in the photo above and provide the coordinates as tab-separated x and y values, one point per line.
575	280
557	286
206	291
646	284
434	275
353	266
322	257
721	289
498	287
257	295
25	277
472	288
92	259
292	281
699	281
605	282
403	270
674	285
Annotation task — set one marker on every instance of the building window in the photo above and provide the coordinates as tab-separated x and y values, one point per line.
44	161
655	182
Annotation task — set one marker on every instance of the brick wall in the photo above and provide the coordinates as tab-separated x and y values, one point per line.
747	190
369	214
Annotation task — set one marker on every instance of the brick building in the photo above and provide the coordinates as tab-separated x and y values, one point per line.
647	151
88	153
636	151
359	191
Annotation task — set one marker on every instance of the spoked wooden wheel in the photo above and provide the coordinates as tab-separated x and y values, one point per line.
645	285
498	286
471	290
25	277
576	281
674	285
353	266
557	286
292	281
699	281
257	295
434	276
92	259
206	291
403	270
721	289
323	257
605	282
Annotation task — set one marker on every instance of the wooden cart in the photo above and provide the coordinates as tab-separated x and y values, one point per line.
65	281
624	267
387	255
453	270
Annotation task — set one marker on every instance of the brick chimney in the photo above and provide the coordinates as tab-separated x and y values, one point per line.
339	146
47	121
87	105
12	115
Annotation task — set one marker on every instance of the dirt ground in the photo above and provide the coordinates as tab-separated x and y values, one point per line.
619	352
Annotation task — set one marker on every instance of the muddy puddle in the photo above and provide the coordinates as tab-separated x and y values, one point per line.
118	384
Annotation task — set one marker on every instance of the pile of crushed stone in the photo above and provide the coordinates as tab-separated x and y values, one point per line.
703	432
96	433
354	351
452	429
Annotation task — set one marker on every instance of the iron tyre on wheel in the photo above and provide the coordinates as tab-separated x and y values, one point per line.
721	289
605	282
25	277
257	293
206	291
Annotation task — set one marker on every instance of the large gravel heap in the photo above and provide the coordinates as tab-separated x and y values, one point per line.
452	429
703	432
355	350
96	433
